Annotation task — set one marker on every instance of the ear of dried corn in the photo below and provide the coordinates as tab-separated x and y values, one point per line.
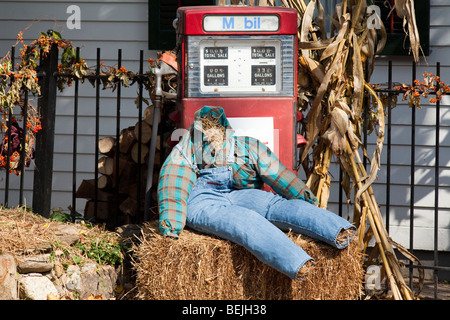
333	82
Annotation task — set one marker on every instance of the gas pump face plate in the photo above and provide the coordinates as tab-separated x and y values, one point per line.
233	65
240	66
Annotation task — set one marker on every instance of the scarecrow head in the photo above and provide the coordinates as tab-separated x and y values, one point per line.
212	123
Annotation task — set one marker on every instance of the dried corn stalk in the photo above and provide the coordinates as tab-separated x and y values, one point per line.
405	10
332	85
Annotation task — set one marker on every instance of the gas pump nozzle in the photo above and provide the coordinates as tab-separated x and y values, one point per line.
167	65
161	71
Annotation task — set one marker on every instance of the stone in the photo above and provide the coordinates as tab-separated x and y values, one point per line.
73	281
59	284
97	280
91	279
43	247
59	269
8	278
40	263
35	286
66	233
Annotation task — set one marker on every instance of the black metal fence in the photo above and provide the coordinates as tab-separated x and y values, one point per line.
47	103
437	167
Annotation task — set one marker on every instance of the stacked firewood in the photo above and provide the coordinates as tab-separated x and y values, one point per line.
122	175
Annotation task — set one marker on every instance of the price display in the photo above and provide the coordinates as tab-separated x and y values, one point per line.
215	53
263	52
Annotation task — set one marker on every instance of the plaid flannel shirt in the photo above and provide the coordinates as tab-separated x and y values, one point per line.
254	164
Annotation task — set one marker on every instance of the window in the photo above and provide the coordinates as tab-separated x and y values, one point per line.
161	13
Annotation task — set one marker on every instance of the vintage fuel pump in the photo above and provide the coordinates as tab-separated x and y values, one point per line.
243	59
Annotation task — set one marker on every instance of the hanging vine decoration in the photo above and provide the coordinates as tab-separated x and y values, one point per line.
15	81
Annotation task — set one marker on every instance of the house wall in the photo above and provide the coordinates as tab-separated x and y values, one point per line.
110	25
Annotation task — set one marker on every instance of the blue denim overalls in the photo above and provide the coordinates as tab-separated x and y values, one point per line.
255	219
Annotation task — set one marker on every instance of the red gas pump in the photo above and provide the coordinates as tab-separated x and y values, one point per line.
243	59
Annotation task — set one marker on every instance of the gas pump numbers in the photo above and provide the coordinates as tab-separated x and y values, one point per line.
263	76
263	52
236	66
215	53
222	53
215	75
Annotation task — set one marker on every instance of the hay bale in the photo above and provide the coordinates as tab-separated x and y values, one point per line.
202	267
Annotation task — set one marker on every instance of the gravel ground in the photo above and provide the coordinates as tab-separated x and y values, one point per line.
443	292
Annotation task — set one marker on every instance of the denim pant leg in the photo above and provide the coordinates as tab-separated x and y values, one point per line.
248	229
305	218
298	215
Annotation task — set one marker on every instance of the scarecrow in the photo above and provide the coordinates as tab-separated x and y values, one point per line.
213	182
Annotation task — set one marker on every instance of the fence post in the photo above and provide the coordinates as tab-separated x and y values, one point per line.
43	173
